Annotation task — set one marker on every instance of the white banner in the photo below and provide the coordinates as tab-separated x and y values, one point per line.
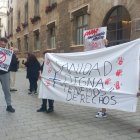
93	38
104	78
5	58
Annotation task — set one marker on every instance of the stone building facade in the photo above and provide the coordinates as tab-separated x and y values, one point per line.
58	25
3	17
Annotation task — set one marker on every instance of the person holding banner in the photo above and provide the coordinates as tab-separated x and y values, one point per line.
5	78
43	107
95	38
102	113
98	44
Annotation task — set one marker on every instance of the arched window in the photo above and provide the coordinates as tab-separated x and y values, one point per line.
118	24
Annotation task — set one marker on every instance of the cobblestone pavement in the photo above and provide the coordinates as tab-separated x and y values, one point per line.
68	122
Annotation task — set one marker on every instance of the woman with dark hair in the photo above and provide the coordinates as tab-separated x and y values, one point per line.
33	70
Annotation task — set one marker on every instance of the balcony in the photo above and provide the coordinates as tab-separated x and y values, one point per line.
35	19
49	8
18	29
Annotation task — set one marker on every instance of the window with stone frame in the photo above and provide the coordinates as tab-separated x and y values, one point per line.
36	40
26	42
118	24
19	44
81	25
26	12
36	7
51	36
80	21
52	1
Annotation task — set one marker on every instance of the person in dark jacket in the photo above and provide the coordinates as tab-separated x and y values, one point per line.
5	80
33	70
13	69
43	107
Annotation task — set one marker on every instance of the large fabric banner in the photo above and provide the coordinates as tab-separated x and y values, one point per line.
105	78
5	58
93	38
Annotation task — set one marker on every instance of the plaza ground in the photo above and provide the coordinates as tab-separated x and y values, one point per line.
68	122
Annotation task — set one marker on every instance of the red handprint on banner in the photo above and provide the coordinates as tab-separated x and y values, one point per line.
117	85
94	45
107	81
47	83
120	60
119	72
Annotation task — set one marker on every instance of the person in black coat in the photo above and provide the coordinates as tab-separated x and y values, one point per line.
33	70
43	107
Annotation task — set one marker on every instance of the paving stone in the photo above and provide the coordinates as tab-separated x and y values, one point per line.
68	122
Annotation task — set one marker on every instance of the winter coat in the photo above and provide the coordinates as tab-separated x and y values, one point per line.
33	69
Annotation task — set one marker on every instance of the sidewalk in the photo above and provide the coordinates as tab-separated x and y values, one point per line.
68	122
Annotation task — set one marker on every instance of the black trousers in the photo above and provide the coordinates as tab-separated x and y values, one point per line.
33	84
50	103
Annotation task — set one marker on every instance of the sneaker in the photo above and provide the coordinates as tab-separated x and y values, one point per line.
42	109
50	110
10	109
30	93
100	114
35	92
13	89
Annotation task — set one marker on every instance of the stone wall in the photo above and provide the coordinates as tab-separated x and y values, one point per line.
62	17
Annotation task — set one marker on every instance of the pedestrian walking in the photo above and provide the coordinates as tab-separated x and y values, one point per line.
5	80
